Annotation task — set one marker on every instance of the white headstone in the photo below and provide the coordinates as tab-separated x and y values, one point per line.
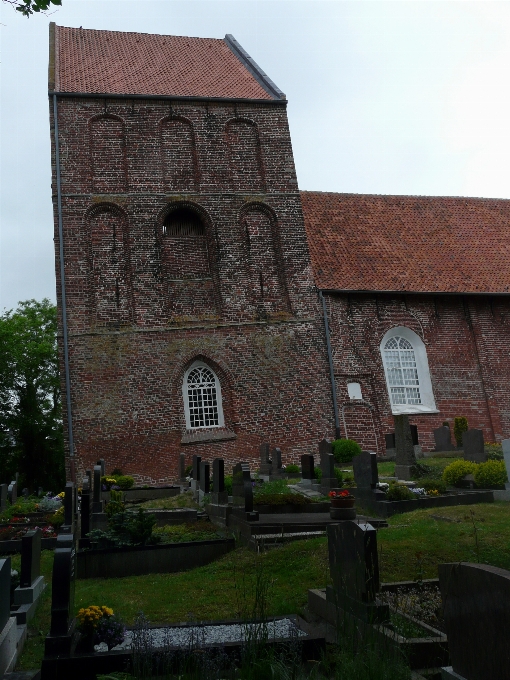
506	456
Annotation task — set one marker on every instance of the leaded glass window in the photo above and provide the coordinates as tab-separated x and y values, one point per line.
203	398
402	371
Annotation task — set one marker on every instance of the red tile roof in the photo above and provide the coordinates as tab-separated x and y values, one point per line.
408	243
89	61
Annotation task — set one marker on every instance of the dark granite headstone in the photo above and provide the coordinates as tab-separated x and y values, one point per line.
40	492
102	465
414	434
182	467
30	557
476	613
390	440
196	467
204	477
405	456
89	474
307	466
62	601
25	492
69	503
12	492
328	466
242	489
353	560
473	445
443	438
218	475
85	509
506	457
97	505
366	474
3	497
5	591
265	467
276	461
325	446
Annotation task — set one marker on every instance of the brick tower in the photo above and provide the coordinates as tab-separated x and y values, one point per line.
189	318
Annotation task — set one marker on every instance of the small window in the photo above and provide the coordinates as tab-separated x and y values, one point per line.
407	372
202	398
354	391
183	222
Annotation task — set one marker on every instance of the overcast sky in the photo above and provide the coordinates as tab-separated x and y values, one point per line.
384	97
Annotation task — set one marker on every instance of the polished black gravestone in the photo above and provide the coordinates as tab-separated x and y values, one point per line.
3	497
97	505
204	477
328	479
405	456
443	438
266	466
354	569
307	466
366	474
325	446
85	512
476	612
69	504
102	465
242	491
473	445
60	638
30	558
5	592
219	495
276	462
12	492
414	434
389	440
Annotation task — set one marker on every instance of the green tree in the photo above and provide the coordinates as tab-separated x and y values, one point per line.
28	7
31	437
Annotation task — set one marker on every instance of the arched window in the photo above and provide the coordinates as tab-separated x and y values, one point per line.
202	397
407	372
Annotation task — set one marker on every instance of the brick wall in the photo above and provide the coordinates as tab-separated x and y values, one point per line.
144	304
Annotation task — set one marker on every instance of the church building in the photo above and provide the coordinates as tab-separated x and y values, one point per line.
207	305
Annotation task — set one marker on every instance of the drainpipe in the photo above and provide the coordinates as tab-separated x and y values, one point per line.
330	360
63	292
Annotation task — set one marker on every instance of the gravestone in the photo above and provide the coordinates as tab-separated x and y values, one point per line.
59	639
182	467
97	504
366	474
354	569
418	453
8	627
405	456
242	491
443	438
328	479
69	504
88	473
31	582
325	446
307	466
473	445
3	497
266	466
204	477
85	513
25	492
102	465
276	462
390	448
12	492
195	475
506	457
219	495
476	612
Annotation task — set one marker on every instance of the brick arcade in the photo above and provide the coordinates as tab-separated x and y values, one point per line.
193	267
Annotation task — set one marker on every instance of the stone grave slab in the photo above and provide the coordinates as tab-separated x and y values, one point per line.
307	466
3	497
366	474
242	491
97	504
204	477
219	495
69	504
8	628
476	602
31	581
102	465
405	455
276	462
443	438
12	492
265	467
328	479
59	640
473	445
5	592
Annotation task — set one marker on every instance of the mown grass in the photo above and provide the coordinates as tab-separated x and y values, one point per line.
413	545
183	500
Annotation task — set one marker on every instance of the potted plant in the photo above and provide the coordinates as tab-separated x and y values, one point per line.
98	624
341	499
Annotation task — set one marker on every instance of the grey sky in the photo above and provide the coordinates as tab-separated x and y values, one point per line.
384	97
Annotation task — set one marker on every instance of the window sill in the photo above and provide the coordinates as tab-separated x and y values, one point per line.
412	410
203	436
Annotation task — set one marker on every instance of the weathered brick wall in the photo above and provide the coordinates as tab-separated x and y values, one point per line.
468	345
138	317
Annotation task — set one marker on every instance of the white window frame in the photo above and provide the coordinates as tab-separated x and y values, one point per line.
428	404
185	396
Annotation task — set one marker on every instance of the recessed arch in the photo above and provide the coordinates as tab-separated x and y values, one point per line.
179	157
107	139
244	155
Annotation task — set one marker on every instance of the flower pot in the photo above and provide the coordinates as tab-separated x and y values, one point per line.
86	643
342	502
341	514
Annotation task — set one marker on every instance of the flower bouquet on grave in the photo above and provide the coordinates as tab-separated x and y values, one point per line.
342	499
98	624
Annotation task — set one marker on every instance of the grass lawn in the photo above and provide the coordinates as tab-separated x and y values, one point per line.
224	589
183	500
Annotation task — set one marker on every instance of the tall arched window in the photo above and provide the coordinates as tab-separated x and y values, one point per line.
202	397
407	372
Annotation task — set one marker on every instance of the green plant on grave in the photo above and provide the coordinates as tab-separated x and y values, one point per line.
491	473
460	426
454	473
317	471
123	482
116	503
419	470
344	450
493	450
131	527
339	476
438	485
292	468
399	492
228	480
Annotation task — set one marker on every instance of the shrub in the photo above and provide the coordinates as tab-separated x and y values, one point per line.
399	492
116	472
493	451
461	426
228	484
277	486
339	476
292	468
115	504
420	470
491	473
188	470
201	530
281	499
124	482
456	471
344	450
317	473
433	485
48	504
